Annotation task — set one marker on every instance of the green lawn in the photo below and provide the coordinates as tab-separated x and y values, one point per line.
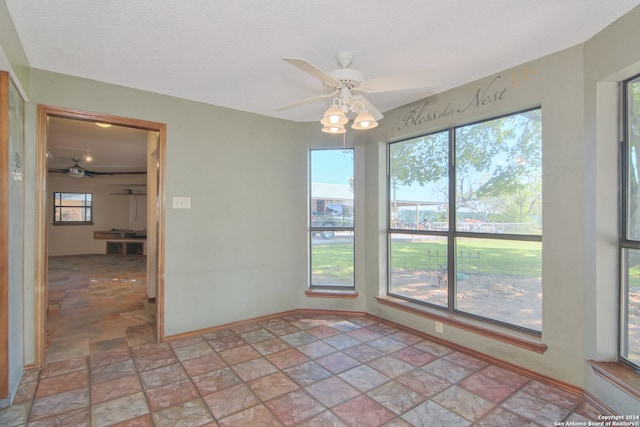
495	257
486	256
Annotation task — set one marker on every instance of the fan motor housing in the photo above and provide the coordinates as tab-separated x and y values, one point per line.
348	77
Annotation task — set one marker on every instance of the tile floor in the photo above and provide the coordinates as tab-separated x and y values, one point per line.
295	370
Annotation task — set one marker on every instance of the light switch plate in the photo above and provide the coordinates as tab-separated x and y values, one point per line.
182	202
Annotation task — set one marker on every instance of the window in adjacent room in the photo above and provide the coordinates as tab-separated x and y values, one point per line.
465	220
630	227
331	218
73	208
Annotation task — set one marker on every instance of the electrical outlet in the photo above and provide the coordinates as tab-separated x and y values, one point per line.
182	202
439	327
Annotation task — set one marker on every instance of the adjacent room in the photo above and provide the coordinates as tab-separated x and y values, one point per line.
319	214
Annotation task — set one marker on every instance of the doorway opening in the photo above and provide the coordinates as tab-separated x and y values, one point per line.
141	194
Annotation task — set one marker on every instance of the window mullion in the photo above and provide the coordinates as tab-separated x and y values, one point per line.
451	238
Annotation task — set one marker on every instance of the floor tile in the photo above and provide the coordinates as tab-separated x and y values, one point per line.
171	395
363	411
189	413
502	417
270	346
447	370
77	418
256	335
390	366
307	373
113	389
287	358
396	397
463	402
486	387
535	408
302	369
193	351
254	368
414	356
294	407
117	410
59	403
62	383
337	362
15	415
323	419
203	364
364	378
161	376
238	354
423	382
216	380
272	385
231	400
332	391
430	414
256	416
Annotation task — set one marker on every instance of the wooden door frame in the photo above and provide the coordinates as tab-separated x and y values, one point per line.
4	234
41	250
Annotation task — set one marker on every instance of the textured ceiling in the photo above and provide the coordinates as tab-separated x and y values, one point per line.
229	52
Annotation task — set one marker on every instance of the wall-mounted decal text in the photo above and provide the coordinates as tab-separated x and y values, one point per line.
425	113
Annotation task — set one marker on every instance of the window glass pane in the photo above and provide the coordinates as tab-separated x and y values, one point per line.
418	183
630	325
331	220
332	260
633	158
418	267
331	189
500	280
499	175
72	207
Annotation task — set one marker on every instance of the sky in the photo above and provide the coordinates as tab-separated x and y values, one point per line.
332	166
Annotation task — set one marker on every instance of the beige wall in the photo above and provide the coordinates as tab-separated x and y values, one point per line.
555	83
110	211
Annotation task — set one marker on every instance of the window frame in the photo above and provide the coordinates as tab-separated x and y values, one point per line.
57	195
625	243
313	230
452	233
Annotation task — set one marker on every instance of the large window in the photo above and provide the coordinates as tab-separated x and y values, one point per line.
72	208
465	220
630	224
331	218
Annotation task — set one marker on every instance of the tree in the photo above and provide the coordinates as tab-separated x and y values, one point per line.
497	165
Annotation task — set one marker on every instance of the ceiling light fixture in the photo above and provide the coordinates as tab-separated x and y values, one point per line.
335	118
103	125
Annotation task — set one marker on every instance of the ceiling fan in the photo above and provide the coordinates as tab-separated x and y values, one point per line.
347	86
129	192
77	171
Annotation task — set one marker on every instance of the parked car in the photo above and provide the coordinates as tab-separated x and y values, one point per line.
335	216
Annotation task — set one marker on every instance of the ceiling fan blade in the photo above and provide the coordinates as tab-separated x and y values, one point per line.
304	101
92	173
368	106
309	68
415	80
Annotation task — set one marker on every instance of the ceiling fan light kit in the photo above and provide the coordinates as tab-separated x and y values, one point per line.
346	85
334	129
334	116
76	172
363	121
